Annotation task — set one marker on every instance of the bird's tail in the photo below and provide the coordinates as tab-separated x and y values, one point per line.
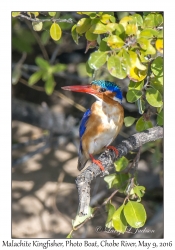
82	159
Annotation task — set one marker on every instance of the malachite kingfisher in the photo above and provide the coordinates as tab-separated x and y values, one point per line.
102	122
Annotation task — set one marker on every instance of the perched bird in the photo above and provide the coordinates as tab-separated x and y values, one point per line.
102	122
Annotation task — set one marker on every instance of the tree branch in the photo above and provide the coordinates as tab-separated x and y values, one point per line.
41	117
69	20
27	156
107	158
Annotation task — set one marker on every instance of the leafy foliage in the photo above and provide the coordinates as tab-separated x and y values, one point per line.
128	45
46	73
132	213
131	47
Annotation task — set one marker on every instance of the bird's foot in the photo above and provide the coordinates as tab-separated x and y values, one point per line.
97	162
114	149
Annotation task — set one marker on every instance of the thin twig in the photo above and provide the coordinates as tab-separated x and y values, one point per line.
134	162
55	92
30	142
110	197
38	39
56	20
22	59
55	53
34	68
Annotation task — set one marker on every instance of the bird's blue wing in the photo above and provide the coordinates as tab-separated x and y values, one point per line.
83	122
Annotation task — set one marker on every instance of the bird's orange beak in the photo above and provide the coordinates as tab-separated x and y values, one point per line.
81	88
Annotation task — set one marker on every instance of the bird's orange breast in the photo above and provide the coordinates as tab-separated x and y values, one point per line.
102	127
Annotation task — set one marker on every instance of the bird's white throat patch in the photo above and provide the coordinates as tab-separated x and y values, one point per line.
114	98
117	99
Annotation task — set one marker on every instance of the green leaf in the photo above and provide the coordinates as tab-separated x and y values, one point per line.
103	46
99	39
131	29
133	57
112	19
121	14
159	109
79	219
45	36
119	221
52	13
111	27
121	164
127	20
15	14
35	13
129	120
16	74
161	34
90	36
149	33
105	18
141	105
139	19
143	57
43	64
160	118
23	41
133	95
97	59
59	67
120	182
89	70
37	26
136	85
116	68
157	66
142	124
144	43
49	85
74	33
120	31
110	208
139	191
55	32
83	25
135	214
35	77
66	25
98	28
81	69
109	179
126	59
106	12
153	20
136	74
136	64
156	83
150	50
69	236
115	42
88	13
153	97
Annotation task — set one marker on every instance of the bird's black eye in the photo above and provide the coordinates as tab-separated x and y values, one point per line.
102	90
